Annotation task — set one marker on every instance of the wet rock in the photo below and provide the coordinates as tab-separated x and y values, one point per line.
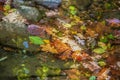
30	13
15	35
52	4
15	31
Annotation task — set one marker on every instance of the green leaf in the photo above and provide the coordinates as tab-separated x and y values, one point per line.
99	50
110	36
104	39
36	40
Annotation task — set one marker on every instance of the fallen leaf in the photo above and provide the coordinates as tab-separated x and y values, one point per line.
36	40
48	48
60	46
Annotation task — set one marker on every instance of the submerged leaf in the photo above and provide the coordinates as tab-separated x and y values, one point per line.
36	40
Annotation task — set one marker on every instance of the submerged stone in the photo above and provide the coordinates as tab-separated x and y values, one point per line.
30	13
17	3
52	4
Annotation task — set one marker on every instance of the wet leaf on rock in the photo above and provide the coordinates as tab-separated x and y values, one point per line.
36	40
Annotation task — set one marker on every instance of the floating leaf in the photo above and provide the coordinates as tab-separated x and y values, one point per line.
36	40
99	50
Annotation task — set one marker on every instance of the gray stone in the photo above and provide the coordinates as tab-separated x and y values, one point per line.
30	13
